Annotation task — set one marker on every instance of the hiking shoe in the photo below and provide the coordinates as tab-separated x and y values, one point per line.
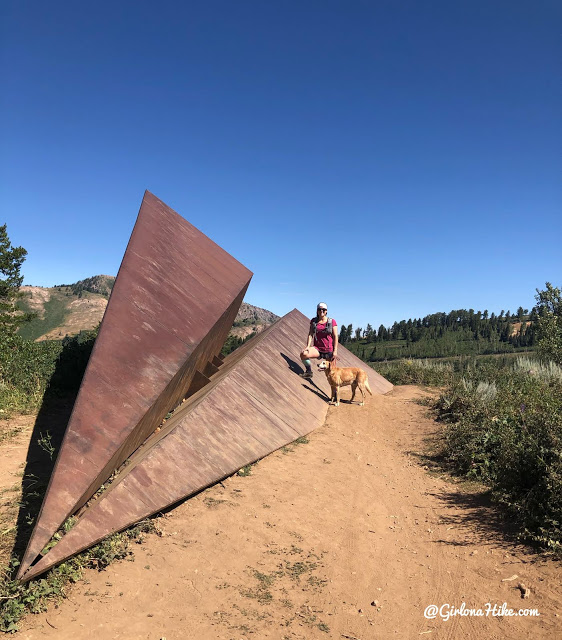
307	375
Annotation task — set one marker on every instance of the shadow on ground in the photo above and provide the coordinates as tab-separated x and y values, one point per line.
44	446
311	386
474	517
48	433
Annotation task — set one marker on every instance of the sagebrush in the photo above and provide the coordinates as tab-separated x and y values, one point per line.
506	430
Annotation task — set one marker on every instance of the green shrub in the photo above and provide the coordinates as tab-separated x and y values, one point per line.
28	369
25	369
507	432
415	372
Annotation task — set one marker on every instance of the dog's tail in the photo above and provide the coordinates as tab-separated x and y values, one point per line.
367	386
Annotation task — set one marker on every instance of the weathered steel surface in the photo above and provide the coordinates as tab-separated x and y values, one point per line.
173	303
253	405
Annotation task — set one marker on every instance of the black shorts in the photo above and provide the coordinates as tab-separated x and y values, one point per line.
326	355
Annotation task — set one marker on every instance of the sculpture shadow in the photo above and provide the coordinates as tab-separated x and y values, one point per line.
297	369
47	436
293	366
50	427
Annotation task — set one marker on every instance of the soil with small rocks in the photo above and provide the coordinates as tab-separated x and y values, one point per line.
346	536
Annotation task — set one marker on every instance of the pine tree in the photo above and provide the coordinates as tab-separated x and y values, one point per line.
11	259
341	336
549	323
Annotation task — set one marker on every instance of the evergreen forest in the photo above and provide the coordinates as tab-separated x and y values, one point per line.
441	335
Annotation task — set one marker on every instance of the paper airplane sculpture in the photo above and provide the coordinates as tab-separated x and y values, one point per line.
172	306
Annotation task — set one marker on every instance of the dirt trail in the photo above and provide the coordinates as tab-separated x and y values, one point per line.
344	537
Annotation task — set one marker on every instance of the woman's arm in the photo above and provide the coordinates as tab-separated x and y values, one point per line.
336	340
310	337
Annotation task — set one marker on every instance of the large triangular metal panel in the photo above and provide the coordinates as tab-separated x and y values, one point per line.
173	303
255	404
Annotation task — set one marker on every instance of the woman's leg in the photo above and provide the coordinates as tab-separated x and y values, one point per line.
306	354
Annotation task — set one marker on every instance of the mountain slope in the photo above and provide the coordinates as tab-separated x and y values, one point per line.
67	309
60	312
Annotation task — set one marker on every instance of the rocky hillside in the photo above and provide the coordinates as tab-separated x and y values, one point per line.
251	319
254	315
67	309
60	311
96	284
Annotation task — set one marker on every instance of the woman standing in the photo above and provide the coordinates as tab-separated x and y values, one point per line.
322	339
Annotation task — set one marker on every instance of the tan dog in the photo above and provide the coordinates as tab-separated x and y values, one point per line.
343	376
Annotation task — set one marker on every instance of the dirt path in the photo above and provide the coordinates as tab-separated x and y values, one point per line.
344	537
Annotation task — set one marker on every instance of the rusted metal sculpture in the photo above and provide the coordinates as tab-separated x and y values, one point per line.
252	405
173	303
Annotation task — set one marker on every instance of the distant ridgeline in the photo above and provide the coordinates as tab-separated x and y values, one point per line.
69	309
95	284
458	332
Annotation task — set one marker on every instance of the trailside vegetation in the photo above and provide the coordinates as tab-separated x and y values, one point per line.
28	369
502	426
23	367
502	421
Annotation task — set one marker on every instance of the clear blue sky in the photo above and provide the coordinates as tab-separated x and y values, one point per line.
391	158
